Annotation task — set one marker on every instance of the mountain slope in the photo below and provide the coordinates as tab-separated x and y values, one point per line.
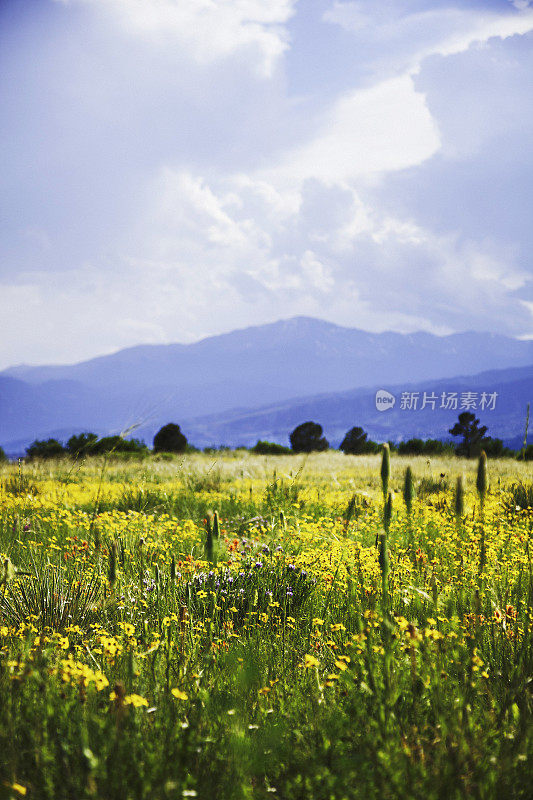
297	356
337	412
268	364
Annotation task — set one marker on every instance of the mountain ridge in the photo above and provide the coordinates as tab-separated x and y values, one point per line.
247	368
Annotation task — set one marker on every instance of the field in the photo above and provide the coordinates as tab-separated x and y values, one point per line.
301	643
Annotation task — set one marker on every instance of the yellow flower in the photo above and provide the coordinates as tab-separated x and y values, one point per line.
135	700
19	789
310	661
179	695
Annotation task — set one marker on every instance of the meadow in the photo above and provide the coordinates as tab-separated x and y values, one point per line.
309	640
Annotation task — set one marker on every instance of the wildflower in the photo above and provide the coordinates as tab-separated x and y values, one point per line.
179	695
510	612
310	661
135	700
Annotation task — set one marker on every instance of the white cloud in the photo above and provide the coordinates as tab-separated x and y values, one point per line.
207	30
396	37
212	255
240	203
367	131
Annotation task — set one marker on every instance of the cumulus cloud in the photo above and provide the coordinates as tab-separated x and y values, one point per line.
191	189
394	36
208	30
387	127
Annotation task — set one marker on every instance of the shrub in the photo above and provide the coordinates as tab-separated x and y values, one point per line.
3	456
81	444
269	449
494	448
51	600
519	495
45	448
356	442
307	438
116	444
170	439
427	447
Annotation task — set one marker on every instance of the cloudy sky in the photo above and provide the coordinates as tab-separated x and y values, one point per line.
178	168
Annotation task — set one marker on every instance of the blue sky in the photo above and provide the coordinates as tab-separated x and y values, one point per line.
173	169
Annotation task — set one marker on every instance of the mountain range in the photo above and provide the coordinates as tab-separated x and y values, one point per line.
252	383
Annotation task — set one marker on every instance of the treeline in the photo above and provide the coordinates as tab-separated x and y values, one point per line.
305	438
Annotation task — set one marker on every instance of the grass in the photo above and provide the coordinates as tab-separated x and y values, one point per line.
301	661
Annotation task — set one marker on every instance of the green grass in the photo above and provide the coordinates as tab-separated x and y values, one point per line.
295	676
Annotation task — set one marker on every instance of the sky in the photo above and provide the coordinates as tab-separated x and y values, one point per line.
181	168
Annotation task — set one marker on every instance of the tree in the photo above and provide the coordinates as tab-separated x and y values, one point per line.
269	449
45	448
356	442
468	428
307	438
117	444
81	444
495	448
3	456
169	439
427	447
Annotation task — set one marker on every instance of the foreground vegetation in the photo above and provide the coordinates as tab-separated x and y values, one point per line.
283	647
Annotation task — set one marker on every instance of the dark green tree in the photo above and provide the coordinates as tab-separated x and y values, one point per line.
495	448
472	434
269	449
356	442
3	456
117	444
81	444
169	439
427	447
45	448
307	438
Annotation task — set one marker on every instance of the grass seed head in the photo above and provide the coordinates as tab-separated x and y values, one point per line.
385	468
459	498
482	479
408	489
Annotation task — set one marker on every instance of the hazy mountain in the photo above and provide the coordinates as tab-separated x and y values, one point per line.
295	356
337	412
247	369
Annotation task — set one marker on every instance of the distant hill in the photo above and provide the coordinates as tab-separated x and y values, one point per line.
337	412
246	369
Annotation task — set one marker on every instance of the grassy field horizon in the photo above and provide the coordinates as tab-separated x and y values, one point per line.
265	626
